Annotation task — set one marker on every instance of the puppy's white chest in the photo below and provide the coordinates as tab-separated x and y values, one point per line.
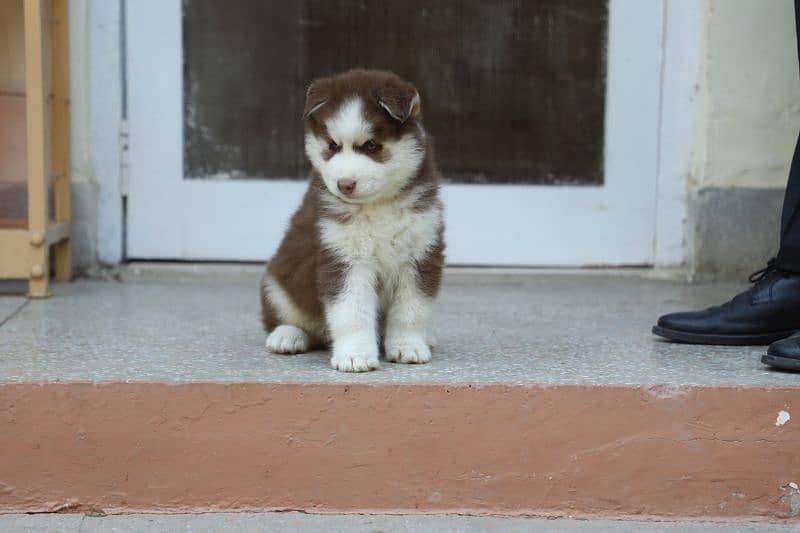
387	236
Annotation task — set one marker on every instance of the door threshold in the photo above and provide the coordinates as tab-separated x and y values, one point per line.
638	271
138	270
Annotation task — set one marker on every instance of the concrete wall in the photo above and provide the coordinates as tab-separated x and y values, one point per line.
748	121
84	181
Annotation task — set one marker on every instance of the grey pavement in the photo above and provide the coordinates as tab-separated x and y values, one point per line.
307	523
491	328
8	306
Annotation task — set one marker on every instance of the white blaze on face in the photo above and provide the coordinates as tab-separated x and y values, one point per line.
374	180
348	127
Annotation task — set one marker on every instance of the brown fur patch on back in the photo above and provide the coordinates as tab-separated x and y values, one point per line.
303	268
426	182
429	270
269	317
330	275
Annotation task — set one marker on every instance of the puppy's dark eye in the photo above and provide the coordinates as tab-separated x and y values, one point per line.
371	147
333	147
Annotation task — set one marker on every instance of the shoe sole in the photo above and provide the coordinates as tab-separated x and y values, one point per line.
686	337
785	363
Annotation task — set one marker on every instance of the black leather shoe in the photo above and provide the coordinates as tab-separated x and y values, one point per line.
784	354
767	312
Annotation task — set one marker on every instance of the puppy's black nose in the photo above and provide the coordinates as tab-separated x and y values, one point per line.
346	186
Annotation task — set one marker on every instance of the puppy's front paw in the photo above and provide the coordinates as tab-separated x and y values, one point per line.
355	353
354	363
287	340
407	349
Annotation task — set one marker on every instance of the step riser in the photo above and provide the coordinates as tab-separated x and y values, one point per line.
582	450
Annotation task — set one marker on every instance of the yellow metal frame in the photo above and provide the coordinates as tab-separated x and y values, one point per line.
25	248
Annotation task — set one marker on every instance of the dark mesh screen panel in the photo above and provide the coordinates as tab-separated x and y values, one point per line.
512	91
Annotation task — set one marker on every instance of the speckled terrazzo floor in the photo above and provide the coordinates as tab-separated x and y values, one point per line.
9	305
491	329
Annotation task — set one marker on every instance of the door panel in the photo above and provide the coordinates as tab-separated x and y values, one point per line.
545	116
523	83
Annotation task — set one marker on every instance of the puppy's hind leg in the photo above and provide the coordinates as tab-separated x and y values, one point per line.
288	330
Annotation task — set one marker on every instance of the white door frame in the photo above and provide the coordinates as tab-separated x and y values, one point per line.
674	37
103	46
684	44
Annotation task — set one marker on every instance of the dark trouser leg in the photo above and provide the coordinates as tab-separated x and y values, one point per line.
789	254
785	353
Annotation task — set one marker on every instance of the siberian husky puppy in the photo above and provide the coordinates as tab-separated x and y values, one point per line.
361	261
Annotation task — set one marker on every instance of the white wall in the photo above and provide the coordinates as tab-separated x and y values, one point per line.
747	118
749	93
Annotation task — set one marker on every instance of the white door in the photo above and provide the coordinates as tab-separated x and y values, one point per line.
174	216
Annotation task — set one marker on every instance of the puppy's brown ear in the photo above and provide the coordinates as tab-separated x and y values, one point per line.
400	100
315	98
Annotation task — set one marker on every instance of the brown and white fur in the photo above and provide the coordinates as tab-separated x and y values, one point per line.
361	262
